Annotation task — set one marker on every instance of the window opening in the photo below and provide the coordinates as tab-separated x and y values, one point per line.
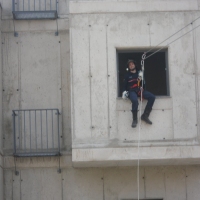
155	73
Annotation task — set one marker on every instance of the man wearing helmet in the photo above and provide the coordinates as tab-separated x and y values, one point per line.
132	85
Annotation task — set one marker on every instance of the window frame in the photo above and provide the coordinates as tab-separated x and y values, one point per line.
140	50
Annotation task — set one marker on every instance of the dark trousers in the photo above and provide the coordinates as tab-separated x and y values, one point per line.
133	96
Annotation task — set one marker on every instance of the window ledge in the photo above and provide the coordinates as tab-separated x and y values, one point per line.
104	157
161	103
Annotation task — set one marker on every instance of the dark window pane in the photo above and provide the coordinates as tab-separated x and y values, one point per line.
156	80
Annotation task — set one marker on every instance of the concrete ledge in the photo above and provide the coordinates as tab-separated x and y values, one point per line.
111	157
129	156
131	6
115	143
162	103
38	162
34	25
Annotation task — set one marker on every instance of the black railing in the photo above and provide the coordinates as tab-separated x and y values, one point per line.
36	132
35	9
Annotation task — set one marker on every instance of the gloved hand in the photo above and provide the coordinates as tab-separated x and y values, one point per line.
125	95
140	75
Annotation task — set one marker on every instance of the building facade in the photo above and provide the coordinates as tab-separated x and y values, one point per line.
63	117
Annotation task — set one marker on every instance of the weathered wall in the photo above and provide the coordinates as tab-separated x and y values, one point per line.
1	143
180	183
105	6
1	136
144	5
99	115
100	119
197	71
1	177
1	182
26	57
36	72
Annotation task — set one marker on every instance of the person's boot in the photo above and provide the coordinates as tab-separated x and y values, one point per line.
135	120
145	115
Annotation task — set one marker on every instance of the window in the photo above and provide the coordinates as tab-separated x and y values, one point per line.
155	73
142	199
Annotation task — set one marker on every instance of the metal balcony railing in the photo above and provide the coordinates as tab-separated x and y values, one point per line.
35	9
36	132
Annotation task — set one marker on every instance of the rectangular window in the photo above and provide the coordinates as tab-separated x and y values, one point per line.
142	199
155	73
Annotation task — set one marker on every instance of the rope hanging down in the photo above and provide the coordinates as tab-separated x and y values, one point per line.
139	128
142	66
174	34
172	42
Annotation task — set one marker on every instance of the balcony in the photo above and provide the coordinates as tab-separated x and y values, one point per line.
35	9
36	132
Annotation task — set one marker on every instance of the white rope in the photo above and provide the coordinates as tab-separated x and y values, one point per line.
173	41
173	34
139	129
142	64
138	163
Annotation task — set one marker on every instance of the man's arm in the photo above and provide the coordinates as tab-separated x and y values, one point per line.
125	82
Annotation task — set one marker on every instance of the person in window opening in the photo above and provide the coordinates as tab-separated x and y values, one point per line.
132	84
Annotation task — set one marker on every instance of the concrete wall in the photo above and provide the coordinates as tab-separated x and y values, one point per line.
138	5
168	183
106	6
197	72
36	72
1	136
1	177
27	56
100	119
1	182
99	115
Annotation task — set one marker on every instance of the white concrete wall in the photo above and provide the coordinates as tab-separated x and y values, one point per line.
1	183
197	72
99	106
99	116
180	183
107	6
1	177
137	5
36	72
1	135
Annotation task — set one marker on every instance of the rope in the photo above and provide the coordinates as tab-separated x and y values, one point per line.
173	34
171	42
142	64
138	163
139	129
